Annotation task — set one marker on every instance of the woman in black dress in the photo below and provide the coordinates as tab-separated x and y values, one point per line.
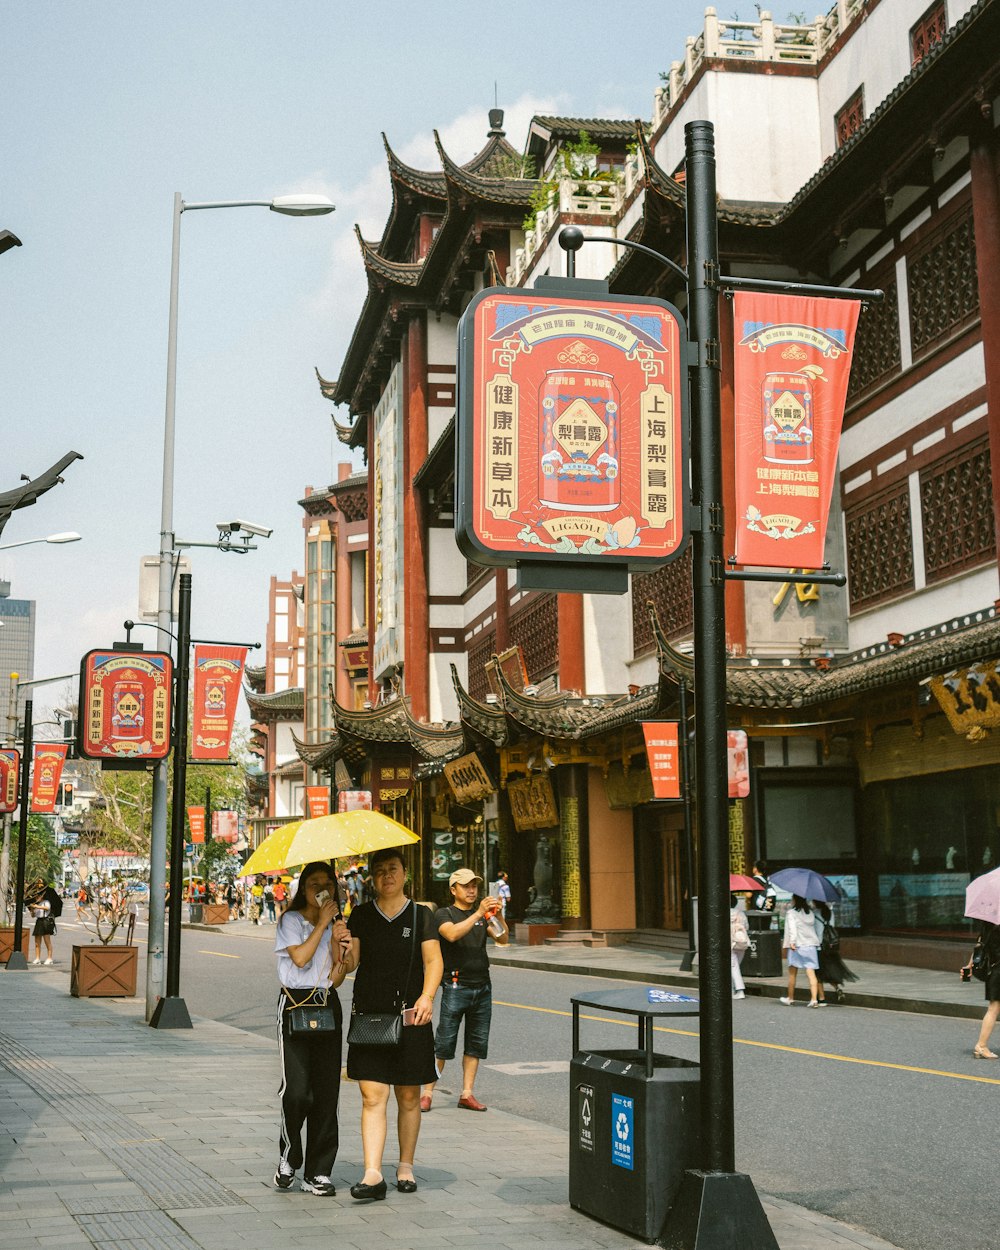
989	939
398	957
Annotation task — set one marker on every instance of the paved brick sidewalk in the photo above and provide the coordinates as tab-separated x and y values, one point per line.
125	1138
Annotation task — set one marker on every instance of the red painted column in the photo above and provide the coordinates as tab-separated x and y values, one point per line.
572	661
417	623
342	589
370	581
985	168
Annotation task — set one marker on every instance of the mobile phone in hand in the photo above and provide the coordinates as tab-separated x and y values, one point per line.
323	897
409	1016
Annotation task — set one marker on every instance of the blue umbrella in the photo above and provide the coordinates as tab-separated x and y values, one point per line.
806	884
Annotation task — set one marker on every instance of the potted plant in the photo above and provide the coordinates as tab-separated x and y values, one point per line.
106	969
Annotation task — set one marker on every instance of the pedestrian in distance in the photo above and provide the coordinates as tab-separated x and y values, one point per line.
765	898
503	892
269	902
398	957
313	950
45	905
466	992
802	940
988	944
257	900
832	969
280	897
739	944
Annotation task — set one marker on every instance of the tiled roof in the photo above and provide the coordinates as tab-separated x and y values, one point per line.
596	127
402	273
517	191
358	639
426	182
494	159
276	704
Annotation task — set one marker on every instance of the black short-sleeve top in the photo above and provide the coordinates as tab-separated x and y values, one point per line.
386	947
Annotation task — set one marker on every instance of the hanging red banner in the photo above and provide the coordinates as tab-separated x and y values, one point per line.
738	761
225	825
354	800
10	768
125	705
49	758
218	672
792	364
317	801
196	823
663	753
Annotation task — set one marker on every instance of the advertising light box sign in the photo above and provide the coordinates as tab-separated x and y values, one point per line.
10	767
571	431
125	705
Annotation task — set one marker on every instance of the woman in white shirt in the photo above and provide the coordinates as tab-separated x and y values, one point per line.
313	949
803	935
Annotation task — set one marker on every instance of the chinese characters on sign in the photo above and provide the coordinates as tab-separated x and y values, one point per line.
125	705
10	761
48	766
532	803
196	823
317	801
217	674
571	430
663	752
792	364
468	779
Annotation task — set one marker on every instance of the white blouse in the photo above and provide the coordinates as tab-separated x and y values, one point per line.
801	928
293	930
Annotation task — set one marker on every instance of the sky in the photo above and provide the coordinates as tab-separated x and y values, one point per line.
110	108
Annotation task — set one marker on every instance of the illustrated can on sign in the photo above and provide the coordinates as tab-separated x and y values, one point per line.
578	431
788	418
127	701
215	699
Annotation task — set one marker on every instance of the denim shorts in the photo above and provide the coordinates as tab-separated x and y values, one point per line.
475	1004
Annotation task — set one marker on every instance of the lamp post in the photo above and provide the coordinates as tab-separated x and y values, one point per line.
68	537
291	206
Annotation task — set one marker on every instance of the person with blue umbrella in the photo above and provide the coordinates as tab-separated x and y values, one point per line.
803	929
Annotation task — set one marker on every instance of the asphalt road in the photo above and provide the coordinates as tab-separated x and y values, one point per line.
881	1119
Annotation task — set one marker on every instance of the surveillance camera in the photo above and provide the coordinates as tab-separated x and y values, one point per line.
248	527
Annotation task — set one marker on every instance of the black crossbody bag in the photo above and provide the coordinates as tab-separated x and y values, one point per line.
312	1013
383	1028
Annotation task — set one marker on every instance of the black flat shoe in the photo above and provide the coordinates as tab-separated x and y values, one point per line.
406	1186
373	1193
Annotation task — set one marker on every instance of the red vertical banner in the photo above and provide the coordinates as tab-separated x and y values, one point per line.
217	675
196	823
317	801
49	758
792	365
663	752
225	825
10	768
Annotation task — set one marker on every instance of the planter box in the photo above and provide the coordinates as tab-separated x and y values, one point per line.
103	971
214	913
533	934
7	941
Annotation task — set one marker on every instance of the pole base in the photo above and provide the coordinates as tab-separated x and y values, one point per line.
687	959
171	1013
17	962
717	1211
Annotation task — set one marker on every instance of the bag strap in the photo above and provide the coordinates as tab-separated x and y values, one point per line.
413	952
310	993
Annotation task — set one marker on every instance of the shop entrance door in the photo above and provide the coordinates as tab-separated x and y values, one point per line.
660	870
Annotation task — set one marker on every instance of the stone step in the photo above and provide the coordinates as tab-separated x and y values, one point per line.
577	937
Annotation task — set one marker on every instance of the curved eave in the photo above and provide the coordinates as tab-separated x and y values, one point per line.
276	705
385	723
488	722
327	389
399	273
509	192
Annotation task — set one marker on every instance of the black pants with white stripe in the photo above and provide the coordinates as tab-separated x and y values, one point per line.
310	1093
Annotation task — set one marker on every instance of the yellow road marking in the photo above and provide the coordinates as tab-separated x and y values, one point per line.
220	954
791	1050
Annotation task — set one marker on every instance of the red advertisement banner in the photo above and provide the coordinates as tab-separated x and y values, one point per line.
225	825
738	760
49	758
792	364
196	823
663	753
216	680
354	801
571	439
10	768
126	699
317	801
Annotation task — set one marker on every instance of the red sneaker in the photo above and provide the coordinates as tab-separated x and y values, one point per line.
425	1102
469	1102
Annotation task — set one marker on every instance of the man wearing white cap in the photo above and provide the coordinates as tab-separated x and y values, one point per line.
466	993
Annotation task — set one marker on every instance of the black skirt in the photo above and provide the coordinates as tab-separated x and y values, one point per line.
409	1063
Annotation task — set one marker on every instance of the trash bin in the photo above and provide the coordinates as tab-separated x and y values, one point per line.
763	956
195	913
634	1117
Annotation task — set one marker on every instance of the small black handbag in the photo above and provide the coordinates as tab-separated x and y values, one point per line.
382	1028
315	1014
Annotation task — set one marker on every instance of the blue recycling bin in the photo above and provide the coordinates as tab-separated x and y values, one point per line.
634	1117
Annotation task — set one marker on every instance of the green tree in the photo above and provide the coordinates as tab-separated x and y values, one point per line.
42	855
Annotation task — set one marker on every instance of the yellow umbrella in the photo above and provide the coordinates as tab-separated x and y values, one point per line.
327	837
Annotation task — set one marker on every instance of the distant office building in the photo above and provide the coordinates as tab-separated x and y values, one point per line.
17	647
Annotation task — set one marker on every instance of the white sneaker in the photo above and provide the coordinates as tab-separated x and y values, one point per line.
321	1185
739	994
47	962
789	1002
35	961
814	1003
284	1176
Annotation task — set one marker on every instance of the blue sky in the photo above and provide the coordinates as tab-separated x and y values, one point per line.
111	107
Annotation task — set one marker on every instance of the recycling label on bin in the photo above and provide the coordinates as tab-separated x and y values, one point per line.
585	1117
623	1131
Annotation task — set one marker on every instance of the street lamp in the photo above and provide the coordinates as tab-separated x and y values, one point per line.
174	1014
68	537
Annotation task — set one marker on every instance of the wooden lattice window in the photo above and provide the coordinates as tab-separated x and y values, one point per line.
880	548
927	32
671	591
876	346
956	510
943	285
480	651
536	631
473	572
850	118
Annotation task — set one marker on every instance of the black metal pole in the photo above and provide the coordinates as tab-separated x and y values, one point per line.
689	954
17	961
171	1011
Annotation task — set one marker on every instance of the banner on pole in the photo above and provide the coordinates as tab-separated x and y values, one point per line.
196	823
317	801
218	673
10	768
354	801
738	761
663	753
792	365
125	705
49	758
225	825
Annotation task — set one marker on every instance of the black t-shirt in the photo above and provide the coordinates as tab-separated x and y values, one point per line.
465	961
386	948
